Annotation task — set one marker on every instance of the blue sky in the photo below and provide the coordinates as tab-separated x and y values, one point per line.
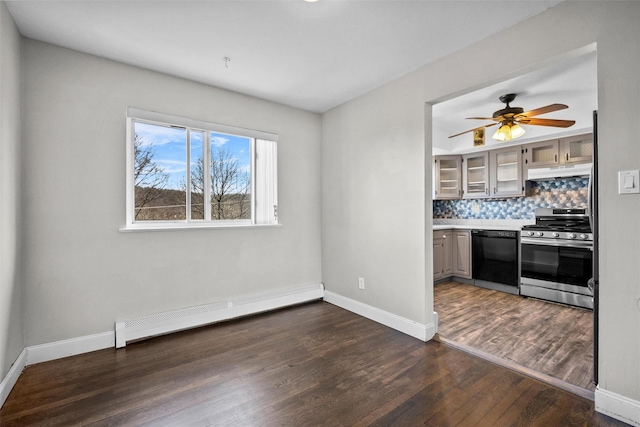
170	149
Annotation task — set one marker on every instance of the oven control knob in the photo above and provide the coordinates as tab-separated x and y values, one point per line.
529	233
555	234
572	236
583	236
540	233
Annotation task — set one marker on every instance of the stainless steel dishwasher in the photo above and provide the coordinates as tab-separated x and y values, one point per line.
496	260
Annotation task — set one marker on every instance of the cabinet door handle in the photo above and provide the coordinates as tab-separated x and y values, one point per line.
486	190
567	158
555	158
495	190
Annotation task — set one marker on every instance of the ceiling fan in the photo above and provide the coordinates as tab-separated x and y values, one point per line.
510	118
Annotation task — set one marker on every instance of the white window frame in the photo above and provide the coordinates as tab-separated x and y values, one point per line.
264	177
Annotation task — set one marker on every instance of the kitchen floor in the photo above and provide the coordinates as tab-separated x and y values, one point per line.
541	337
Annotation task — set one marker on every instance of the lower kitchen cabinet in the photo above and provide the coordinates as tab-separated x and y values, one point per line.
462	253
451	254
442	253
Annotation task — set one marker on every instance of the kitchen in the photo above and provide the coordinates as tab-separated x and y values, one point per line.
512	225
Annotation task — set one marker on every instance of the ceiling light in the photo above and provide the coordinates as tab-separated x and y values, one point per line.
508	131
311	1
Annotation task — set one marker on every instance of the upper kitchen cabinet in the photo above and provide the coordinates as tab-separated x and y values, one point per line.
577	149
448	177
475	175
559	152
506	172
542	154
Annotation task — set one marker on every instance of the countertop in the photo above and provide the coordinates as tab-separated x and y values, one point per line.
480	224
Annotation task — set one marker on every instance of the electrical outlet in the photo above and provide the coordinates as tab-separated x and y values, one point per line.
361	282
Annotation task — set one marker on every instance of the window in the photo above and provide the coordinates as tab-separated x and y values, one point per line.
230	174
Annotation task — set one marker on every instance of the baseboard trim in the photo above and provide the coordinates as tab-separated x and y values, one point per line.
436	322
196	316
617	406
12	376
71	347
399	323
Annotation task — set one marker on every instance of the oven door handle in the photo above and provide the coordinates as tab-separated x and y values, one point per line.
548	242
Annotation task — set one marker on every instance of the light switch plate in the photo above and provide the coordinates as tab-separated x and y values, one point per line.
629	182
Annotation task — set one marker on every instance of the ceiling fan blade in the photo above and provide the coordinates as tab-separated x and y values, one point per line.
544	110
471	130
480	118
546	122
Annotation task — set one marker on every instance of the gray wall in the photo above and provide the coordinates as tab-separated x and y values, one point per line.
81	273
373	204
11	327
376	179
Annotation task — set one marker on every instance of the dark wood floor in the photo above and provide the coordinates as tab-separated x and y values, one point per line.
548	338
309	365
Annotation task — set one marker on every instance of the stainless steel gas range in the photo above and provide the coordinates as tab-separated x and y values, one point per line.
557	256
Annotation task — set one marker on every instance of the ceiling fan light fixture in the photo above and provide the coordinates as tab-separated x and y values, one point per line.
508	117
508	131
516	131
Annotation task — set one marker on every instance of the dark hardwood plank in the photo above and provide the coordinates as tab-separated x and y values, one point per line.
552	339
308	365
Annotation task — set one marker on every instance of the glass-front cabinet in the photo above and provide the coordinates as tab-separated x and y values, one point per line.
577	149
448	177
475	175
506	172
559	152
501	172
541	154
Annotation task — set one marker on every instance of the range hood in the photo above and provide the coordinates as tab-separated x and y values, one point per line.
541	174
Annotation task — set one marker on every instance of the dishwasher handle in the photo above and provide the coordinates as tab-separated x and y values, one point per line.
500	234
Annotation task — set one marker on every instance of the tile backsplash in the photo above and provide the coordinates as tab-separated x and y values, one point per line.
558	193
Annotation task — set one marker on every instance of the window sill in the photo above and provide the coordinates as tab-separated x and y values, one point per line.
183	226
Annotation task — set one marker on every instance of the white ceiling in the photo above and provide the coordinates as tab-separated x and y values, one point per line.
572	82
312	56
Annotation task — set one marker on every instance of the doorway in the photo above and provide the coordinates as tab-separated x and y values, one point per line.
550	341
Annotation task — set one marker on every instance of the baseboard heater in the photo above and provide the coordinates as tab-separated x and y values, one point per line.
201	315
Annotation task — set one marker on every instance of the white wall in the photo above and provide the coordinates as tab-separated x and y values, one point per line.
373	200
11	327
81	273
619	137
376	180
